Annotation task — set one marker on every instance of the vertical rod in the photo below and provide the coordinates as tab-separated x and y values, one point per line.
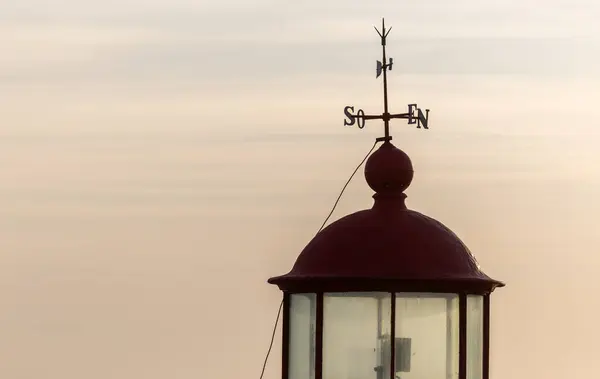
386	119
462	336
319	338
285	336
393	338
486	336
379	316
380	369
450	335
313	332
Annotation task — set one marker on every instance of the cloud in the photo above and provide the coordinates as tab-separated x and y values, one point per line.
136	57
236	44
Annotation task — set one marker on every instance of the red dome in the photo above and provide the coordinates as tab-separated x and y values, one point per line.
387	247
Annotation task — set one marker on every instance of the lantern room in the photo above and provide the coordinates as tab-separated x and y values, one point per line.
386	292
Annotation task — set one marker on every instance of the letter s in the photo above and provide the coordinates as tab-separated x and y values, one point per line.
350	117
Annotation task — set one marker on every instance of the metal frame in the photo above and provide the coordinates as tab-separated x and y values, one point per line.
486	337
462	336
471	286
319	338
393	337
285	336
318	358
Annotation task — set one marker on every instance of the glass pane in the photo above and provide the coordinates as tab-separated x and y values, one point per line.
356	335
426	336
302	336
474	337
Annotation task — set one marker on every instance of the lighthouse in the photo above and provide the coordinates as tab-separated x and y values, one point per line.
386	292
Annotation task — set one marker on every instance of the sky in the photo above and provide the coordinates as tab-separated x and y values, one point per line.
159	160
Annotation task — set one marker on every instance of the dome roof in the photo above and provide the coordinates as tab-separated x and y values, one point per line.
387	247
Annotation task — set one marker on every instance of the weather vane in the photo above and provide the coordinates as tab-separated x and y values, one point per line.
360	117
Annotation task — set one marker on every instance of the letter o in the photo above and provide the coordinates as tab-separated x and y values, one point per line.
360	119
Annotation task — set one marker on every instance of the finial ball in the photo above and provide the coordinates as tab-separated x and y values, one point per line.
388	170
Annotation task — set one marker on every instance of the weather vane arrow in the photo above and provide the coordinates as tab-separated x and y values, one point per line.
359	118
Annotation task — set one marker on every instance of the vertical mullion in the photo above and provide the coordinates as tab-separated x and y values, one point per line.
486	336
450	338
319	338
313	332
462	336
393	337
285	336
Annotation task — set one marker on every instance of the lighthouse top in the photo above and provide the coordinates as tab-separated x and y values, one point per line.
387	247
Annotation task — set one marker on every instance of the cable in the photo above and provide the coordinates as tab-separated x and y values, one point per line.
346	185
322	226
272	339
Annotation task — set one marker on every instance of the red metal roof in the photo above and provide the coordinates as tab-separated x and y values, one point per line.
387	247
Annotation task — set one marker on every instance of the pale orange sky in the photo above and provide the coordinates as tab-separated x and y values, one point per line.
160	160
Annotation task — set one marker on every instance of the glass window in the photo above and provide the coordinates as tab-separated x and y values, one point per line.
302	336
356	335
474	337
426	336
